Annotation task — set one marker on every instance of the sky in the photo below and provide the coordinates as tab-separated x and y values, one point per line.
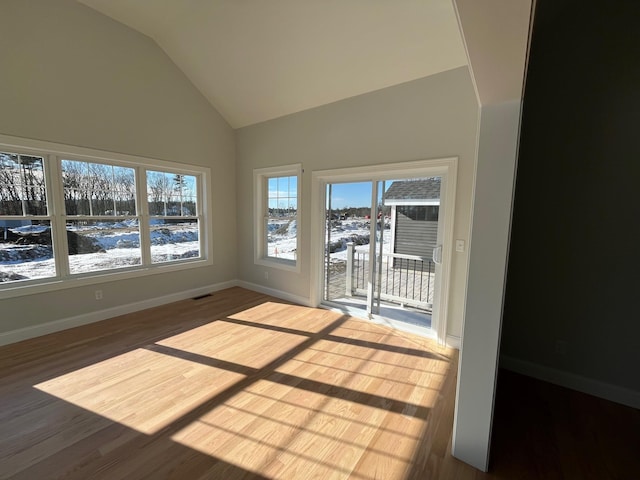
351	195
357	194
354	194
282	192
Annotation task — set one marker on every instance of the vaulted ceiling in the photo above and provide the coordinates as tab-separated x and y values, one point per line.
255	60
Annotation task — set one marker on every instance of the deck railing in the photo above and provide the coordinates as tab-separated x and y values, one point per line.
407	280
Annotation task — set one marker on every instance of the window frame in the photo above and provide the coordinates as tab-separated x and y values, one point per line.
194	216
261	178
54	153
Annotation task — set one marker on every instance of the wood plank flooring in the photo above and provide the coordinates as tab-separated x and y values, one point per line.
236	385
241	385
543	431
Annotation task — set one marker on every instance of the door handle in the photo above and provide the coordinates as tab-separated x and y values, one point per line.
437	254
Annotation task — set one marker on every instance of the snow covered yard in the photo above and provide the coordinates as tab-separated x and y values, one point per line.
282	238
115	245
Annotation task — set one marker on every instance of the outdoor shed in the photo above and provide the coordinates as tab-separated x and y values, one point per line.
414	215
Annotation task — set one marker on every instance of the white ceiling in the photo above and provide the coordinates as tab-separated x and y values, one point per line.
255	60
496	33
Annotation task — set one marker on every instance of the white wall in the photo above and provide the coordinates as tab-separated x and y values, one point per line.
488	252
495	33
432	117
73	76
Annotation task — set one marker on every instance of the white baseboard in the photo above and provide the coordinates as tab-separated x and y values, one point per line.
26	333
582	384
66	323
453	342
274	293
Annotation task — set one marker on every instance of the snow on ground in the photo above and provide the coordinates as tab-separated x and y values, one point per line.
356	231
120	246
283	243
30	229
281	239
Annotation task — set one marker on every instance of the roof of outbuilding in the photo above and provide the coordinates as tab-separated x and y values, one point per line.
420	189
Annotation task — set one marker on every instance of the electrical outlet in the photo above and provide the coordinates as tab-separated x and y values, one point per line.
98	294
266	275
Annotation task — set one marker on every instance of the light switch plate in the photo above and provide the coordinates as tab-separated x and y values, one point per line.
460	246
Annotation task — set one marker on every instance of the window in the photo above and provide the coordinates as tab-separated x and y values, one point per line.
26	246
102	225
427	213
277	192
68	218
173	225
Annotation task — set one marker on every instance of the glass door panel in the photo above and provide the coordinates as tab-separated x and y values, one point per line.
347	239
379	242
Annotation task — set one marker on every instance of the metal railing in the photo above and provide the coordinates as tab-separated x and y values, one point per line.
407	280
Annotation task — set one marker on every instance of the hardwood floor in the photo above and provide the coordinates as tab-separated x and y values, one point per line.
242	385
543	431
236	385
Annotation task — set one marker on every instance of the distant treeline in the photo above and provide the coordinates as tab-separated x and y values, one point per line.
350	212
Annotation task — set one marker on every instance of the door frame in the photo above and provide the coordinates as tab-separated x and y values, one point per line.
445	167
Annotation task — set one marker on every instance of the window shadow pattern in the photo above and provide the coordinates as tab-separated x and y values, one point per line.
333	399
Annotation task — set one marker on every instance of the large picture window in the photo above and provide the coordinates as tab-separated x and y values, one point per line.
102	224
277	193
64	217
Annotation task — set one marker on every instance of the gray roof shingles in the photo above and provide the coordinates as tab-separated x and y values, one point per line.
421	189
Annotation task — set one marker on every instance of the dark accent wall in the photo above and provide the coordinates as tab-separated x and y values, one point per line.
574	263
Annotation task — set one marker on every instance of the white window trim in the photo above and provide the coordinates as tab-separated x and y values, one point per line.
422	168
260	177
53	153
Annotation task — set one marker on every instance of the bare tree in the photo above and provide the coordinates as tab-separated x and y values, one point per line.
22	185
9	184
160	188
125	190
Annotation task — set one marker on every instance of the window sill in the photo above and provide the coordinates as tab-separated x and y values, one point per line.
287	265
54	284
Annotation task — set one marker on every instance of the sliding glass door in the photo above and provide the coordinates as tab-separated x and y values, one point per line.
381	247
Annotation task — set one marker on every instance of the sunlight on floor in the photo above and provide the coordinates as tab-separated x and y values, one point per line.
282	432
121	387
316	415
330	397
